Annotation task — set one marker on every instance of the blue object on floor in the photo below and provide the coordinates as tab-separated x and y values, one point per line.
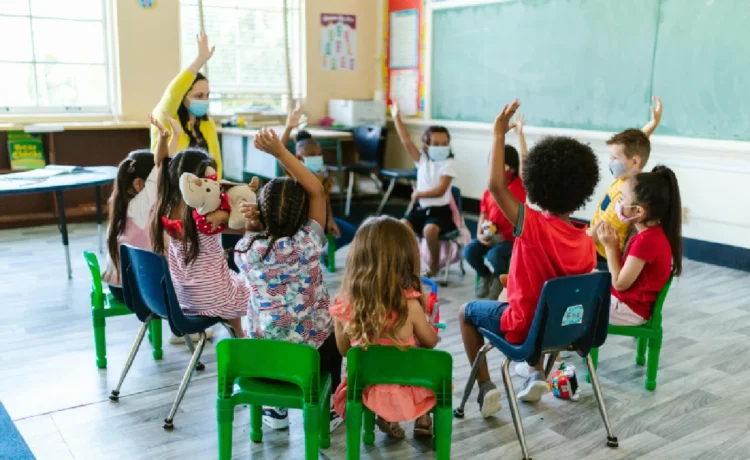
12	445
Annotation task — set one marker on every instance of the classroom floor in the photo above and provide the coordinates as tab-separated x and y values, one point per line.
58	398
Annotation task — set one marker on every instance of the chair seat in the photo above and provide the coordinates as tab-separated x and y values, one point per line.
112	307
447	236
399	173
517	353
193	324
643	330
357	167
251	390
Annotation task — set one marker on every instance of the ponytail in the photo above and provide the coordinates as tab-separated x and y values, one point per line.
161	208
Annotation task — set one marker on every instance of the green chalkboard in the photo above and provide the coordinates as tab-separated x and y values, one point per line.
702	68
594	64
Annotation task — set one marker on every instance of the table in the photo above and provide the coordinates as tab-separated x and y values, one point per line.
94	176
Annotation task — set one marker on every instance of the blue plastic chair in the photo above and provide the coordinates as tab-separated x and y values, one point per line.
572	314
148	291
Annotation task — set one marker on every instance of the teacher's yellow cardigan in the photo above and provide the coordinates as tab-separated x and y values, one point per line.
170	102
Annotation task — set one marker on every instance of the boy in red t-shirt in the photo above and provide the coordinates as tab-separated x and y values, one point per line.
560	175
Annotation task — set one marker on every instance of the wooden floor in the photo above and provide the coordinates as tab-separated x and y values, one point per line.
52	389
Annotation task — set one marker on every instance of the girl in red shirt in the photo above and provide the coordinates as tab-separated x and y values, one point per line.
651	202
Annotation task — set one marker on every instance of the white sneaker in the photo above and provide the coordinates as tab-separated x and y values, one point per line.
522	370
534	388
336	421
194	337
489	400
276	418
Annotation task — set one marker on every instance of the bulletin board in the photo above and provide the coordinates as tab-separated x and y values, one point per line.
403	62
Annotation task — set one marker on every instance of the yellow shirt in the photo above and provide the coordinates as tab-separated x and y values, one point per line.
606	211
170	102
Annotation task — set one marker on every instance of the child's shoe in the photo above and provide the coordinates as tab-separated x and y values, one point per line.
488	399
496	288
483	290
534	388
194	337
336	421
276	418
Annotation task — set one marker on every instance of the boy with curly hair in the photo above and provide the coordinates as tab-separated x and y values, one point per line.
560	175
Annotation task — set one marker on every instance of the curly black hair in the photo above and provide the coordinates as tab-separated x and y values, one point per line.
560	174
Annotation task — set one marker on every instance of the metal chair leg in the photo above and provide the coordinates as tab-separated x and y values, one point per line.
448	264
189	342
378	184
115	396
611	438
459	411
386	195
349	191
517	422
230	329
551	358
168	425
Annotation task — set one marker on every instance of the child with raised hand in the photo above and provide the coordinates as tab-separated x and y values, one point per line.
498	247
436	170
628	155
203	282
560	175
381	303
309	152
651	203
280	259
133	197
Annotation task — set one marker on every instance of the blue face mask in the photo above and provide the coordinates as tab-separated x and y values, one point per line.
438	152
314	164
617	168
198	107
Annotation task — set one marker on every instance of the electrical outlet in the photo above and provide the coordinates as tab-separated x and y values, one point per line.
685	215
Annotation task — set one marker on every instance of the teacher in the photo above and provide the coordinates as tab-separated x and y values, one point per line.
186	100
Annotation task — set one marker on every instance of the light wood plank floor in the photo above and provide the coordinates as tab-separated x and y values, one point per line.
58	398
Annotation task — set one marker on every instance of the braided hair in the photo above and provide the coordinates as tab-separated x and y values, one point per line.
283	208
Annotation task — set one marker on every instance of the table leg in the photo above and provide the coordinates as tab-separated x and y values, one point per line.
340	173
99	218
63	229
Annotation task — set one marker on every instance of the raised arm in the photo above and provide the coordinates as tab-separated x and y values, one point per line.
523	148
162	148
403	134
506	201
268	141
656	112
292	121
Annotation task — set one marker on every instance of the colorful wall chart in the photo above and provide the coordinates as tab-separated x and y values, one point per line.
338	41
403	64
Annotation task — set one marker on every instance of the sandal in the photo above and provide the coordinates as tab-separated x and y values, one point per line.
392	429
423	430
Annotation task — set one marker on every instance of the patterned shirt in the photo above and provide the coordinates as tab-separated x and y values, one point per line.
606	212
288	299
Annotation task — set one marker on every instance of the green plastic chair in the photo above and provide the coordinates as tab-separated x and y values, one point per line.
421	367
104	305
331	253
649	337
272	373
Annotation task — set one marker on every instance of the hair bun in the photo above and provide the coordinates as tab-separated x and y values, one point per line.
302	135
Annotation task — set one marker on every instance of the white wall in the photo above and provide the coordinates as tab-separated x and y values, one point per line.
714	176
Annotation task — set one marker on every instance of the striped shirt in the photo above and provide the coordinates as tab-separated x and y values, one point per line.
207	286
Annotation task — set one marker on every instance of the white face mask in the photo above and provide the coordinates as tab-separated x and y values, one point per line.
438	152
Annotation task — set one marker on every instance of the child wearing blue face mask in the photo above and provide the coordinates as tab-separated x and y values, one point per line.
430	213
308	151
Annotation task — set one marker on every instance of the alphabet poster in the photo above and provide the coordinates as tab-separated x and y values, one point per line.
338	41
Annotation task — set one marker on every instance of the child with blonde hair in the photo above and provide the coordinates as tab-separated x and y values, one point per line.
381	303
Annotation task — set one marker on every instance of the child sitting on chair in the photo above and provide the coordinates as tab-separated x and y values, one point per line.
651	203
381	303
560	175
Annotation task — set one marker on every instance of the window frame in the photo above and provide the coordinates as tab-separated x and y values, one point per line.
110	66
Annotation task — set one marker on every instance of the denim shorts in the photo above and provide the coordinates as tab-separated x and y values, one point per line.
485	314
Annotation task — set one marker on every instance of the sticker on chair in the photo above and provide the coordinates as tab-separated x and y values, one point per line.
573	315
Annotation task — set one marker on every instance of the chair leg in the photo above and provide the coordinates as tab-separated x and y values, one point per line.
191	346
459	412
378	184
100	342
551	358
611	438
448	264
230	330
156	338
256	423
225	419
115	396
168	425
652	367
386	195
311	422
331	253
461	260
517	422
349	191
353	429
640	351
443	423
325	419
594	354
368	422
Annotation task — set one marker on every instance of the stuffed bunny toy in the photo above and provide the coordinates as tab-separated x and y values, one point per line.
205	195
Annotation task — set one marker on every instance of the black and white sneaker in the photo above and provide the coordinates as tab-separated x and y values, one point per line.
336	421
276	418
534	388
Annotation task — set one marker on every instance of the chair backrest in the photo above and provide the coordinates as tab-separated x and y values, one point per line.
367	143
97	293
432	369
655	320
142	275
295	363
573	312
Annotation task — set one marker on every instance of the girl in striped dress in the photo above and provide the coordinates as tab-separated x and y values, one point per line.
202	279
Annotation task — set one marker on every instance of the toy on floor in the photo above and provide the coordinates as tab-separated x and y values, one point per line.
563	382
206	195
433	304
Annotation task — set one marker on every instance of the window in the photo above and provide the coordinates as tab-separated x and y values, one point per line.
55	57
248	68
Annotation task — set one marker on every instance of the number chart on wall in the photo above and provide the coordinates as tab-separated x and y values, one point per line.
404	41
338	41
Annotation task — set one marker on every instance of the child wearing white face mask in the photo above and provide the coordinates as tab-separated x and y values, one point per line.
628	154
430	213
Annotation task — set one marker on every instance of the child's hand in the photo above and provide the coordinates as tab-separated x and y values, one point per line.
268	141
163	131
333	229
252	217
607	235
176	133
657	110
502	122
292	120
204	51
395	112
520	121
254	183
482	239
217	218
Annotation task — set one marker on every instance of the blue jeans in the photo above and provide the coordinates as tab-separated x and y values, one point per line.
347	231
485	314
497	255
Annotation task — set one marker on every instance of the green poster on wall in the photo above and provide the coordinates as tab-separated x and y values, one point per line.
26	150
